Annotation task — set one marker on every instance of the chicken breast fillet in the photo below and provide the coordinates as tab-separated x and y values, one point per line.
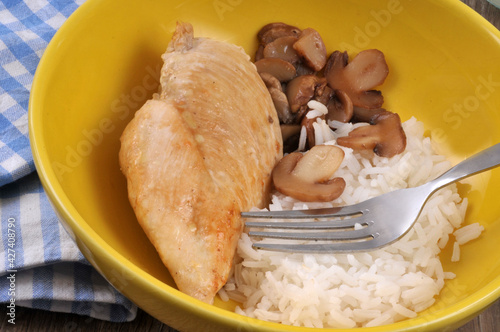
197	154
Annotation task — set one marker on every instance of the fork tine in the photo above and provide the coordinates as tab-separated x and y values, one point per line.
320	248
342	211
362	233
326	224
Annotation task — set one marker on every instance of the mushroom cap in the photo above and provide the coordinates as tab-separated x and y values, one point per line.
281	105
385	136
340	107
307	177
300	90
359	77
311	48
283	70
282	48
272	31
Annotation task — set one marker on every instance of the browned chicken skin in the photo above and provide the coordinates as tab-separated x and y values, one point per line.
197	154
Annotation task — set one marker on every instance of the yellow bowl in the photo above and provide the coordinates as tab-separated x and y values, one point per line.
104	63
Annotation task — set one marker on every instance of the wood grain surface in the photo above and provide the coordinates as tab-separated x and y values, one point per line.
40	321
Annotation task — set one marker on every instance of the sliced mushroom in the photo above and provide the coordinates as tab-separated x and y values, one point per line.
308	123
289	130
306	177
338	103
367	70
302	69
282	48
357	78
372	99
340	107
279	98
385	135
283	70
323	93
259	54
270	81
311	48
273	31
336	64
361	114
290	134
301	113
281	104
300	90
319	163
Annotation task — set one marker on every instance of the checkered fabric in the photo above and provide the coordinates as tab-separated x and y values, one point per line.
48	270
25	30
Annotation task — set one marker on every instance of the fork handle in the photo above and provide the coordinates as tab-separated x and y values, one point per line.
480	162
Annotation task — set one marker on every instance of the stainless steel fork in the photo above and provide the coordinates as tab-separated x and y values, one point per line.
368	225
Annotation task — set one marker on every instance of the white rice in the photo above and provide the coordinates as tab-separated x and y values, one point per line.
455	256
363	289
468	233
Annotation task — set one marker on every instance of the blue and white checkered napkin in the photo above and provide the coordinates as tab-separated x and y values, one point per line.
40	265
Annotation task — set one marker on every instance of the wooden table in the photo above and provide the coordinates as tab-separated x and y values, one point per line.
40	321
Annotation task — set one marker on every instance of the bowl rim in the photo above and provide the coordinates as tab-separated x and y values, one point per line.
91	244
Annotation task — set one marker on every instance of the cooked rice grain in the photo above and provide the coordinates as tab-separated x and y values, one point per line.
468	233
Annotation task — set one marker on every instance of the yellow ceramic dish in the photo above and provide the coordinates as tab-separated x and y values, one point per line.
104	63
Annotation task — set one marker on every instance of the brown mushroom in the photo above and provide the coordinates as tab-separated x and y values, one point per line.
281	104
300	90
306	177
340	107
357	78
311	48
279	98
361	114
372	99
335	65
259	54
367	70
307	123
385	135
282	48
322	91
290	134
270	81
302	69
301	113
283	70
273	31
